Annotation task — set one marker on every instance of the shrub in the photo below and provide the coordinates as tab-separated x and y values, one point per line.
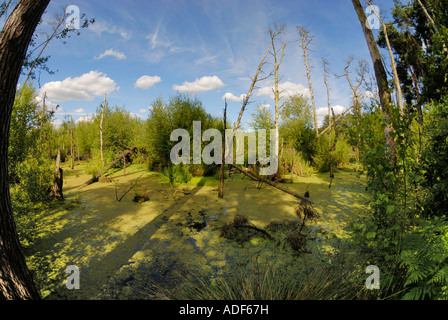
35	176
341	155
178	173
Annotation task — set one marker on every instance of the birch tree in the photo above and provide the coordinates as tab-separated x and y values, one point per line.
278	56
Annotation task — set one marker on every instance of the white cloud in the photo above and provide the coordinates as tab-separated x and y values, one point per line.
82	88
135	115
323	112
146	82
81	110
286	89
85	119
50	106
231	97
142	110
113	53
200	85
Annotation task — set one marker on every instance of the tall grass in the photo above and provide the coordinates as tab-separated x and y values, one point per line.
269	281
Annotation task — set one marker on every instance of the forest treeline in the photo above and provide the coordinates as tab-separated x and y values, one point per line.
405	232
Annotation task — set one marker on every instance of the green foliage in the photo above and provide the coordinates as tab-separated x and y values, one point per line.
341	154
297	126
94	165
436	158
178	113
178	173
425	256
35	175
29	125
293	160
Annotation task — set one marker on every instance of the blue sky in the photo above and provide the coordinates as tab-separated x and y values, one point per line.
138	51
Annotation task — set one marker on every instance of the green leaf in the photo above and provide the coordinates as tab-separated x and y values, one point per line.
390	209
370	235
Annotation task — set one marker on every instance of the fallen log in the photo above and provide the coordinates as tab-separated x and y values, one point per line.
273	184
122	155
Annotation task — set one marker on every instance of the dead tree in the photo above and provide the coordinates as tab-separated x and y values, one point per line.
247	97
362	68
330	149
333	148
101	130
72	147
56	188
271	183
278	58
119	158
221	169
127	191
306	40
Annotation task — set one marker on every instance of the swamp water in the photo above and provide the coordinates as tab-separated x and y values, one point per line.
122	248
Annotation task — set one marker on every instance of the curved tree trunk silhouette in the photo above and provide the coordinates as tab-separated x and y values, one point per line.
381	79
15	279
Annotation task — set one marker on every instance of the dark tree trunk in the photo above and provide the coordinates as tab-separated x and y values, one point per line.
221	168
381	79
58	180
15	279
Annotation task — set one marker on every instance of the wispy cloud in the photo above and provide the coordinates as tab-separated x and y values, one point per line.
100	27
158	40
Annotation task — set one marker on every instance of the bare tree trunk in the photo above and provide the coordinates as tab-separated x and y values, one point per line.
124	163
15	279
333	148
306	39
101	130
330	149
383	87
356	102
56	189
221	168
272	183
72	148
246	99
392	62
277	62
77	145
